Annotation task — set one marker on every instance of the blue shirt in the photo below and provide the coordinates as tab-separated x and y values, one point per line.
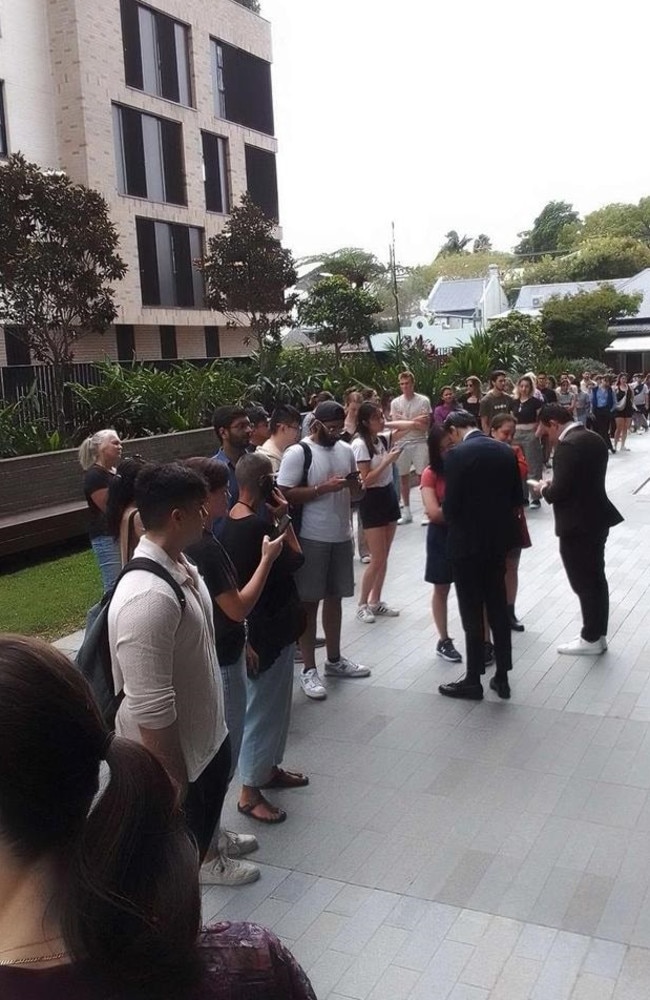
602	397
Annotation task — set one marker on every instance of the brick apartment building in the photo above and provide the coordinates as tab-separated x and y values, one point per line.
167	110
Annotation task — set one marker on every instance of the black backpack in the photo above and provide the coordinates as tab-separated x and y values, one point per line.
94	657
295	510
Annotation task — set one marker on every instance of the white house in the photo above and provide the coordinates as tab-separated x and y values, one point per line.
460	306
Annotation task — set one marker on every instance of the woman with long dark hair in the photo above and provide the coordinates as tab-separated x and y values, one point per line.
503	428
122	519
438	567
378	508
99	896
471	399
624	410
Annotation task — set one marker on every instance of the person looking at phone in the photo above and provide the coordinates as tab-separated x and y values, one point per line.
322	478
378	508
275	622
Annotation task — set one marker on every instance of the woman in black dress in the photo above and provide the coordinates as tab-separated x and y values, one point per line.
623	413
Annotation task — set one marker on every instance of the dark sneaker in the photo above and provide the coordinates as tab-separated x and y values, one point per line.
489	654
447	651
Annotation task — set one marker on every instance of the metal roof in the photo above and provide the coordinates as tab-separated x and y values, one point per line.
639	283
451	295
629	344
534	296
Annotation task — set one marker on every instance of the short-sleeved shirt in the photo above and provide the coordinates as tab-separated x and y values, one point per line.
491	405
565	398
526	411
408	409
361	454
550	395
433	481
326	518
217	569
96	478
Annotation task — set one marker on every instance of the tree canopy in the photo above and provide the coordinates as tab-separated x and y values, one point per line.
454	244
248	273
577	325
359	266
545	235
600	258
522	337
341	312
617	219
482	244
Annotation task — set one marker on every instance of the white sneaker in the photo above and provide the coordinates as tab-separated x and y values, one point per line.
223	870
312	685
580	647
425	520
364	559
236	845
365	615
407	517
345	668
382	610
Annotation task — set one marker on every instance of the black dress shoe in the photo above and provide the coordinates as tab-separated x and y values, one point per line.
513	621
501	686
461	689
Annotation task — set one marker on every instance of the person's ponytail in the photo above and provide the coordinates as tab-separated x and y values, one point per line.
132	908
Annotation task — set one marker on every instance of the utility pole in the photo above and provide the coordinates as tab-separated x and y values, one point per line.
394	289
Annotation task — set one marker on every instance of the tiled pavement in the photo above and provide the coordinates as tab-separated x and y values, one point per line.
491	851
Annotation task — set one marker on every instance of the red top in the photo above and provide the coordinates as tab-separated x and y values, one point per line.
434	481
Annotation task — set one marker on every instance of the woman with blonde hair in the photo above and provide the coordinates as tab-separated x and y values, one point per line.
525	410
99	455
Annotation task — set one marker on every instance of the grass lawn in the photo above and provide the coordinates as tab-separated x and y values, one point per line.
50	599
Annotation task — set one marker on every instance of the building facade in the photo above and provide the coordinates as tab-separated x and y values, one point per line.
167	110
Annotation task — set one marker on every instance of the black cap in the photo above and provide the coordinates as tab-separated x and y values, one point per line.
329	411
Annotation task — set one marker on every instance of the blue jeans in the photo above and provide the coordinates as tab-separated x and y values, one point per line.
233	676
268	711
107	553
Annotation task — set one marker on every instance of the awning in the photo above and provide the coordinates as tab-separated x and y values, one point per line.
627	345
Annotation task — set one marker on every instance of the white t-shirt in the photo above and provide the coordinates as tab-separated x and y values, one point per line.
327	518
408	409
361	454
165	659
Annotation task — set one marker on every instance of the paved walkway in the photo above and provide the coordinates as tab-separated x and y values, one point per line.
481	851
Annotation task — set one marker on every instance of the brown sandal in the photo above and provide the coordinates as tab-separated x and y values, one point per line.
279	815
286	779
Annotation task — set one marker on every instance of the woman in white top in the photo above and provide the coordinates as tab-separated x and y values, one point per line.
378	509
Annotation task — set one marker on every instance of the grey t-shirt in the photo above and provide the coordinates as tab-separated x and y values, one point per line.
327	518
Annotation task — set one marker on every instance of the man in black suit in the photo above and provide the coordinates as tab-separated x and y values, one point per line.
583	516
482	492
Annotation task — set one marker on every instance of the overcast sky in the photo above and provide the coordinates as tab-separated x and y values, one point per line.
453	114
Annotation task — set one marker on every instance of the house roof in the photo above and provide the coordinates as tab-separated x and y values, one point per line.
455	295
542	293
639	283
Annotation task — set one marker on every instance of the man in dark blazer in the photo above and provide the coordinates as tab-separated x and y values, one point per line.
482	493
583	516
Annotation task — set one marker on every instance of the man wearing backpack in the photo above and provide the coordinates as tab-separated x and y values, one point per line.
319	476
164	657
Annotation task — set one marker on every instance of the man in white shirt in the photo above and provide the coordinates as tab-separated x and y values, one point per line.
284	426
321	480
415	408
164	659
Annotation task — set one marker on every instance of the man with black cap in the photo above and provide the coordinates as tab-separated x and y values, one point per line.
320	476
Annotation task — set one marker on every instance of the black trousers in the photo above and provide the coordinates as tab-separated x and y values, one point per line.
481	583
602	421
583	556
205	798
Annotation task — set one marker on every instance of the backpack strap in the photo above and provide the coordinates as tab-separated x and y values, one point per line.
307	460
151	566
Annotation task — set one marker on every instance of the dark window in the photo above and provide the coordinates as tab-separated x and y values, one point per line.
212	345
16	348
125	339
156	53
242	88
4	145
149	156
168	348
167	253
215	172
262	180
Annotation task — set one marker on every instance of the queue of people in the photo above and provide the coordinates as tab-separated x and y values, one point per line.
241	555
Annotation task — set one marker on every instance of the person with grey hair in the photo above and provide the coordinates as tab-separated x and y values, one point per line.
274	625
99	455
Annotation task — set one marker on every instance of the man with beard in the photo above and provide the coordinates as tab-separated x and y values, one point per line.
320	476
233	429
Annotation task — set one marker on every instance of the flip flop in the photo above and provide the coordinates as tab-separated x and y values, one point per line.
247	810
286	779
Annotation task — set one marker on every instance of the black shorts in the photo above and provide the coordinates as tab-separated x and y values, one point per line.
438	568
379	507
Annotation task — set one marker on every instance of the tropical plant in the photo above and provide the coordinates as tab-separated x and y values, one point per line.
453	244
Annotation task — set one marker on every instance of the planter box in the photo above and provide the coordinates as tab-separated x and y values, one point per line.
41	496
